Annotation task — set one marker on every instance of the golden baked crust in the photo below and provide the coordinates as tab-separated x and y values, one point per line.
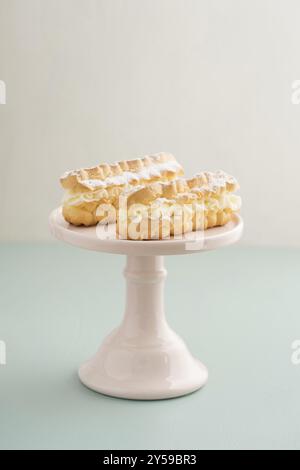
161	210
147	169
88	189
201	185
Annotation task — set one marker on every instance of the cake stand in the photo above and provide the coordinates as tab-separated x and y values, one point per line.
143	358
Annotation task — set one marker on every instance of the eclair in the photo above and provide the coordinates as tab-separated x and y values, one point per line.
164	209
88	189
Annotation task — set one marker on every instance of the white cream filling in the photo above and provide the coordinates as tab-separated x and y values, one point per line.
230	201
75	200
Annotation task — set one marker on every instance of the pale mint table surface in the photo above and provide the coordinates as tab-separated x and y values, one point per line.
238	309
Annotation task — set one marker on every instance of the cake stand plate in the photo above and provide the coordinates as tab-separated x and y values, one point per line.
144	358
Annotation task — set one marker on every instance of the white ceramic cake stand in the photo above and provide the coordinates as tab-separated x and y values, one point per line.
143	358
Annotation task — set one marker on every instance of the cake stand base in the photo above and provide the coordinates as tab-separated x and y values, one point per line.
144	359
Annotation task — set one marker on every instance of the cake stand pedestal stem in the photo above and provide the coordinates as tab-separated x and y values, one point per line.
144	312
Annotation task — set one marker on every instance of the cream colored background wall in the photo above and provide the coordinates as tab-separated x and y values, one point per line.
99	80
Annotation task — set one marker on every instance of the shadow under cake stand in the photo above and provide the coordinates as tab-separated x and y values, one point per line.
144	358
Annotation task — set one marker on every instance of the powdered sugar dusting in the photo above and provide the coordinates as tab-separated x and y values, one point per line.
128	177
